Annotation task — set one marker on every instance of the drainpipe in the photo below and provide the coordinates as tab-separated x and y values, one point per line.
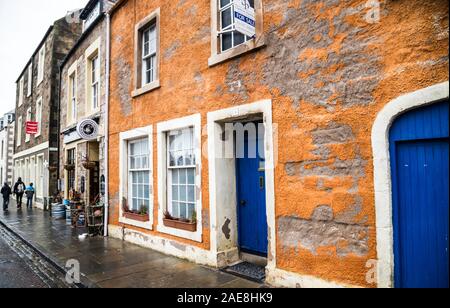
106	120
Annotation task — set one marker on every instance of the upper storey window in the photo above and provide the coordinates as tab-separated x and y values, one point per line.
237	27
229	36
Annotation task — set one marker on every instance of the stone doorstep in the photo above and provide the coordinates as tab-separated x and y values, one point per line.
85	282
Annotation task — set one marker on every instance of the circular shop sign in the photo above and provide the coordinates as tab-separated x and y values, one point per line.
88	129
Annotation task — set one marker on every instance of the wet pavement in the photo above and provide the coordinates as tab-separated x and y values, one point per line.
109	262
21	267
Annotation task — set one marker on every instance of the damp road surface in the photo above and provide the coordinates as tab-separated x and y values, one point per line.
22	267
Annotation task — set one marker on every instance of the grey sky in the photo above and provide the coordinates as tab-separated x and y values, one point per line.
23	23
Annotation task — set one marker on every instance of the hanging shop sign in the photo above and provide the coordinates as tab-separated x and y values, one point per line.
88	129
244	18
31	128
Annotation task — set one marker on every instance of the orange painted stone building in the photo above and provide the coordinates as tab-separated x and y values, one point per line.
323	81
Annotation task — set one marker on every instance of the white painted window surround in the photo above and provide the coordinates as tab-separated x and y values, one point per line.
124	173
41	64
28	119
225	43
21	89
93	75
164	131
72	112
382	172
39	116
147	54
19	132
30	80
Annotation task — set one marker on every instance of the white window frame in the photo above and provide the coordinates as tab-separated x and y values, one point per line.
40	172
19	131
125	138
150	57
39	116
131	171
72	101
28	119
95	82
163	128
217	56
41	65
92	52
30	80
152	20
21	90
171	169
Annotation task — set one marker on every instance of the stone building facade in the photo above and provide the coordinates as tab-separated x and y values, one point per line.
83	96
36	157
326	78
7	147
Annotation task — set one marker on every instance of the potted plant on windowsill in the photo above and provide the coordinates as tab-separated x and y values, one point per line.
69	167
181	224
87	164
141	215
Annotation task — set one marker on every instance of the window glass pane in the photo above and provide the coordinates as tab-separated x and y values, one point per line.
183	211
226	41
180	158
226	18
183	176
224	2
183	196
191	209
172	159
175	193
239	38
175	210
191	176
146	191
191	194
175	177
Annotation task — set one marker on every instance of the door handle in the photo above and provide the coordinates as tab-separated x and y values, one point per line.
243	203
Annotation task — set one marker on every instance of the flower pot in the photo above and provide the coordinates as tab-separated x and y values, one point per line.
89	165
69	167
137	217
176	224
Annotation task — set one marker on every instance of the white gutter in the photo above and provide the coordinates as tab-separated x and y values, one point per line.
106	119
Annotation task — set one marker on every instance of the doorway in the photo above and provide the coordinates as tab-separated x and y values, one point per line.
419	149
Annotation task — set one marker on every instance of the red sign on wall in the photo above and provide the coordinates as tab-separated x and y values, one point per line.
32	128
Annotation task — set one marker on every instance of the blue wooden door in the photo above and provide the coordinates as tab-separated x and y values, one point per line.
251	190
419	146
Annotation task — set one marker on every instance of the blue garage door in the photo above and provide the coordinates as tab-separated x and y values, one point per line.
419	146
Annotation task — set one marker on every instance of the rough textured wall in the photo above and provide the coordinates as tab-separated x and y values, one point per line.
329	72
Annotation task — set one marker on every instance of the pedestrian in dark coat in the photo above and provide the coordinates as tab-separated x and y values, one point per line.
6	192
19	190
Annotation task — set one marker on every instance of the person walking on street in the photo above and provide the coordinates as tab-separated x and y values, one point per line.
6	192
19	190
29	192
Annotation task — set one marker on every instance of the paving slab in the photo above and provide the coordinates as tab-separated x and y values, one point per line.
109	262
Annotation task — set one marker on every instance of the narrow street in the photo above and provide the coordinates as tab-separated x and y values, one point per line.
21	267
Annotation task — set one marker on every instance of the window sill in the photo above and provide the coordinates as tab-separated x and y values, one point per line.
193	236
237	51
135	223
147	88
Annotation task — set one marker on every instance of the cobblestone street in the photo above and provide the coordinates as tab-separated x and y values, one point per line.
21	267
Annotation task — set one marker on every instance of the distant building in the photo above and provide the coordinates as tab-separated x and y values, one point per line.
83	97
6	147
36	156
